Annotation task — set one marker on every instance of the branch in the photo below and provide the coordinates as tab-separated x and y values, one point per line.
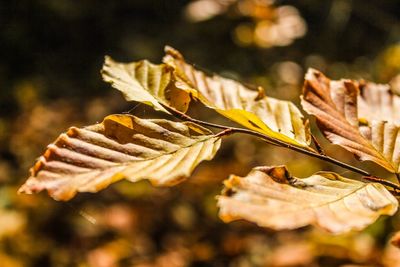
396	187
394	192
268	139
227	130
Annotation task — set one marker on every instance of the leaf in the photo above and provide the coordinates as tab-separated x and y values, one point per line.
252	109
272	198
343	117
378	102
122	146
147	83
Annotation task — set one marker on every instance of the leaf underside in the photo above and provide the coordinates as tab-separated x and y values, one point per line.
377	102
122	146
362	118
270	197
252	109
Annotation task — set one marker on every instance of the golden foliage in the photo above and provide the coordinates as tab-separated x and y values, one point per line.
271	197
276	118
145	82
122	146
362	118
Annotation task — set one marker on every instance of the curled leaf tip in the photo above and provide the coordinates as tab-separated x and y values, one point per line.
169	50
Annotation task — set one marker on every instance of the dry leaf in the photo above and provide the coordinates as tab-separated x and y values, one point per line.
364	124
122	146
378	102
270	197
147	83
252	109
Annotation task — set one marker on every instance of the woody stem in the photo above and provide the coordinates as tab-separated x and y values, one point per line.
271	140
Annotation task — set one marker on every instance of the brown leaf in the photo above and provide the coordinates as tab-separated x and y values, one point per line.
272	198
363	123
377	102
122	146
250	108
147	83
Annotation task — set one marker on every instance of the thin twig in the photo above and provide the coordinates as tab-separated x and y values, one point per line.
225	132
183	116
382	181
394	192
270	140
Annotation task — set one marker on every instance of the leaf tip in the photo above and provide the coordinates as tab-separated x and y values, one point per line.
107	61
261	93
279	174
311	72
169	50
31	186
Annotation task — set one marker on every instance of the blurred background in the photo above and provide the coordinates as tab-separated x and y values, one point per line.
51	53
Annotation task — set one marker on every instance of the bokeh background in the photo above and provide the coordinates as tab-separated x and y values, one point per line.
51	52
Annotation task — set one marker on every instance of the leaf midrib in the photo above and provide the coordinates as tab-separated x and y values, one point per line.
155	157
320	205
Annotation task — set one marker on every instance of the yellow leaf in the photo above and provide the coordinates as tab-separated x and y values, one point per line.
147	83
366	123
122	146
276	118
271	197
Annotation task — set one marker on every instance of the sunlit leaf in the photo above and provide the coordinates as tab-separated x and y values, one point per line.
364	124
271	197
378	102
147	83
252	109
122	146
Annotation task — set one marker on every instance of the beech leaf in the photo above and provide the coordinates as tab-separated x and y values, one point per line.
365	122
252	109
271	197
378	102
147	83
122	146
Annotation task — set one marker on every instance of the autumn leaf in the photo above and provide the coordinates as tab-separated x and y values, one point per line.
378	102
147	83
271	197
276	118
365	122
122	146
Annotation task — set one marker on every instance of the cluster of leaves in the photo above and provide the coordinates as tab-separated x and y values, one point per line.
362	117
